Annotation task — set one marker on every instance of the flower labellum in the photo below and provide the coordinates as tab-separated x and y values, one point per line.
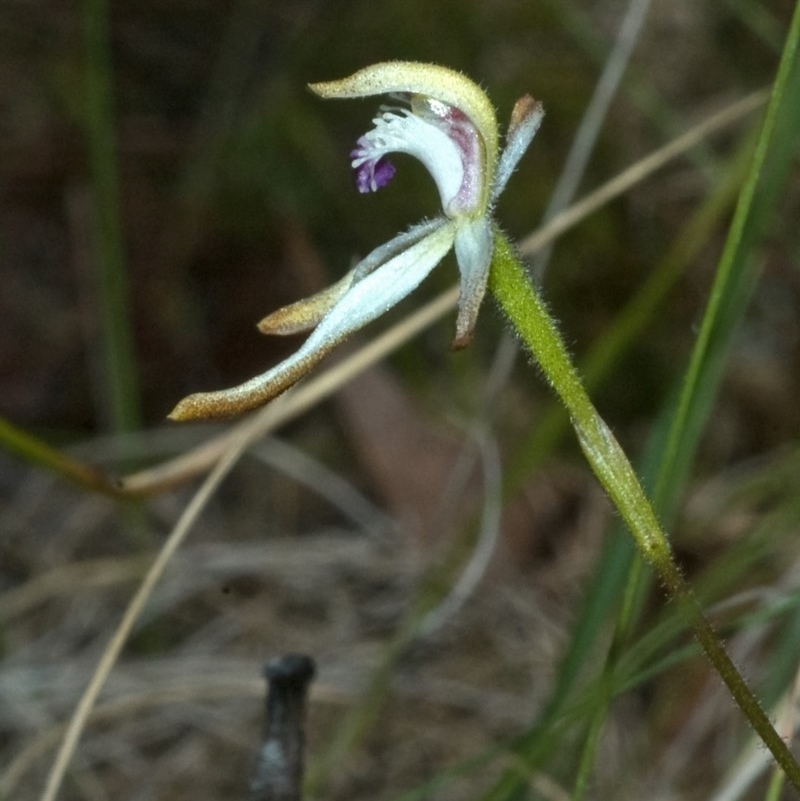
444	120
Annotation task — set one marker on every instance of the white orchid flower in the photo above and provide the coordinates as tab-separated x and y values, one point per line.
447	122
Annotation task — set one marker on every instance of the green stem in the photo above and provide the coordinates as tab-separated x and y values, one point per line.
526	311
37	452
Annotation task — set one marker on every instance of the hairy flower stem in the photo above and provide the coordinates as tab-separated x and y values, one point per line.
524	308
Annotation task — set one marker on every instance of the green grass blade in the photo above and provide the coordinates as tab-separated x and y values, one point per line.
107	240
735	277
37	452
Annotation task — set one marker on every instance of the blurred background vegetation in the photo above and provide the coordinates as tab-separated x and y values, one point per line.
167	180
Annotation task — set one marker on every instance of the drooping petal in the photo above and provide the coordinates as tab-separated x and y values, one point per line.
473	245
365	301
388	250
306	314
525	121
378	292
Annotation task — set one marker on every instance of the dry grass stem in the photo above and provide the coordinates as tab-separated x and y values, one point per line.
642	169
80	716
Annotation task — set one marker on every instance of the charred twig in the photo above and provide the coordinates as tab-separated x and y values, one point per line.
279	772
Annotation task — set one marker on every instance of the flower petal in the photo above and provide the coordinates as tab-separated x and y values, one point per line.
433	142
430	80
473	244
375	294
367	299
305	314
525	121
394	247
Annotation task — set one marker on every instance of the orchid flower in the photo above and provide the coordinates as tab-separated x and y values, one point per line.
447	122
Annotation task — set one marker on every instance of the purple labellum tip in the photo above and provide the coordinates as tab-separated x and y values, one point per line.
372	175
